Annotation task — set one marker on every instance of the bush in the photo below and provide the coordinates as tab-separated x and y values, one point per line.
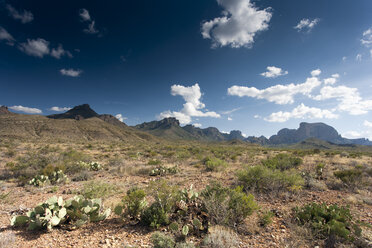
328	222
319	170
350	177
214	164
266	218
165	198
221	237
263	179
160	240
154	162
227	206
282	162
97	189
134	203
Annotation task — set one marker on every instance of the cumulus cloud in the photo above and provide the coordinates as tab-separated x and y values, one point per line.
240	22
316	72
279	94
366	133
59	52
40	48
59	109
301	112
193	106
229	119
332	80
120	117
27	110
349	99
85	17
24	16
4	35
306	24
367	37
197	125
273	72
71	72
367	124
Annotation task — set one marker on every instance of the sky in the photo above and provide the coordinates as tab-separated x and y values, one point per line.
254	66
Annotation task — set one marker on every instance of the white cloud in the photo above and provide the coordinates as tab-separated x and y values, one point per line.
84	14
4	35
366	133
240	22
273	72
229	119
38	48
24	16
280	94
332	80
91	28
85	17
367	124
26	109
344	58
257	116
193	106
352	135
59	52
59	109
228	112
120	117
316	72
301	112
71	72
306	24
349	99
358	57
367	37
197	125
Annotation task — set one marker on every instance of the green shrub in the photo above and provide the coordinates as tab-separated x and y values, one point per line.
328	221
266	218
165	199
227	206
39	181
350	177
154	162
160	240
263	179
214	164
282	162
134	203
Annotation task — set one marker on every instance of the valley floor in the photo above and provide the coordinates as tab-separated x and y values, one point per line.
127	165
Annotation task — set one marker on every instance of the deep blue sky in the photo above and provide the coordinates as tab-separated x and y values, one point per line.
142	48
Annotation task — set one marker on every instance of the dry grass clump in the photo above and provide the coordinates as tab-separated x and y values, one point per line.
221	237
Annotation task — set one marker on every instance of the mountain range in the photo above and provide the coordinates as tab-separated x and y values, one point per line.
83	123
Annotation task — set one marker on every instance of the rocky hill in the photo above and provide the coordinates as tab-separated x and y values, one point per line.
170	128
76	125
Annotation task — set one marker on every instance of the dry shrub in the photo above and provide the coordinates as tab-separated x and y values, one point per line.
221	237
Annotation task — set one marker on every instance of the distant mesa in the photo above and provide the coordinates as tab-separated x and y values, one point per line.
169	128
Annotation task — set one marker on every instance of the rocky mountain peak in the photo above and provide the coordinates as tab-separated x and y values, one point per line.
4	110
